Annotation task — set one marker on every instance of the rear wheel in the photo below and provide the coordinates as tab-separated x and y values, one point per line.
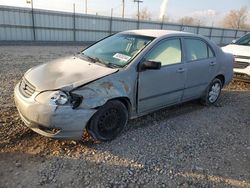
212	93
109	121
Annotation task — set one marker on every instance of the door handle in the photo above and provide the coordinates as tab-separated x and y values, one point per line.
212	63
180	70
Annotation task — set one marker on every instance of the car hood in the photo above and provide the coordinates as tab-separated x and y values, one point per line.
235	49
67	73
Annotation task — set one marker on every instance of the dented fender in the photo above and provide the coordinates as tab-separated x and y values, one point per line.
99	92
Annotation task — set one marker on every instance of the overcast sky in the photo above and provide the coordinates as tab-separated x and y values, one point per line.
212	10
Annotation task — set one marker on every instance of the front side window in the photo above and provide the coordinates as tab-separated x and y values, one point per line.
118	49
167	52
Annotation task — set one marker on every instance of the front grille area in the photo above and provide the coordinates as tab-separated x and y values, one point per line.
26	88
241	65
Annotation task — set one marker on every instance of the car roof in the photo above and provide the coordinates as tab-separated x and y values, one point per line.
157	33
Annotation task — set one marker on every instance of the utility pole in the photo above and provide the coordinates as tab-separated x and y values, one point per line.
123	8
138	11
86	6
32	17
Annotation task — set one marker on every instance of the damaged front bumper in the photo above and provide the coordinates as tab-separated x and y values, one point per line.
51	120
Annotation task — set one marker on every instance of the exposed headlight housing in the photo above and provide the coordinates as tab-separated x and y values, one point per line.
75	100
59	98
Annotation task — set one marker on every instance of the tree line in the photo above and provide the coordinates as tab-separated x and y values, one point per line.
234	19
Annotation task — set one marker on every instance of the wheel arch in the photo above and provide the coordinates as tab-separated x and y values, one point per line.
126	102
221	77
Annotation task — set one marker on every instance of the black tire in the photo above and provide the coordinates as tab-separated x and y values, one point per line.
207	99
109	121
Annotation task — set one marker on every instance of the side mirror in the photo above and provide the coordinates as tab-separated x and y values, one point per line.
149	65
233	41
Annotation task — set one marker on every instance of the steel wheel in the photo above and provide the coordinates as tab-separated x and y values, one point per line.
109	121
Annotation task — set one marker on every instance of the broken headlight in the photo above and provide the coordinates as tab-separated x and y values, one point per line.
75	100
59	98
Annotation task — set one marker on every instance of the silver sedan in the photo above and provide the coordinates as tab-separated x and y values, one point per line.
121	77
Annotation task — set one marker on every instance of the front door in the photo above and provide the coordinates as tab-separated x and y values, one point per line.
163	87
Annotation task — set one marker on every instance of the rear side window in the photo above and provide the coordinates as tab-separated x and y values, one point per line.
197	49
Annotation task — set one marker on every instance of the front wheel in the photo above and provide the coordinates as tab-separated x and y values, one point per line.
213	92
109	121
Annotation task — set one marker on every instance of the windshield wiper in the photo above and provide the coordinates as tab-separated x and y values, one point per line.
89	58
112	65
98	60
94	59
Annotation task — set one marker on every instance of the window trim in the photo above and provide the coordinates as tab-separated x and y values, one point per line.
164	40
209	47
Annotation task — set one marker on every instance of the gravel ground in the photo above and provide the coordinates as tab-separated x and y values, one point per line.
188	145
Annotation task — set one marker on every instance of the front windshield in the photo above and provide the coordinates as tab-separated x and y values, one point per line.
117	50
245	40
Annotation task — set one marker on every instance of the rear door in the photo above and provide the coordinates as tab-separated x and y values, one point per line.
200	64
163	87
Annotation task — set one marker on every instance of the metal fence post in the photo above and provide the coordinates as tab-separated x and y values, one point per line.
210	32
111	22
198	29
33	21
222	36
162	21
74	22
182	27
235	35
